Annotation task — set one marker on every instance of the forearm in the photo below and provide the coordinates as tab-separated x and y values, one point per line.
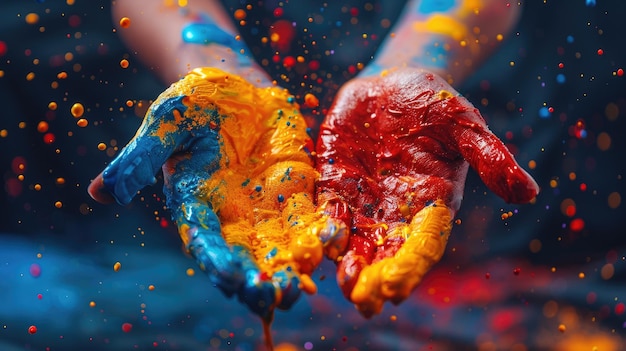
448	40
156	37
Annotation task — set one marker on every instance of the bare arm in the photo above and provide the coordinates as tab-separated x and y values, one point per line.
156	34
448	38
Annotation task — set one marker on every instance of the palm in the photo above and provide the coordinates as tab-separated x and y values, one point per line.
238	180
393	154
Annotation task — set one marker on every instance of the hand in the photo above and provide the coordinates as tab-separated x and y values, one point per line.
239	180
393	154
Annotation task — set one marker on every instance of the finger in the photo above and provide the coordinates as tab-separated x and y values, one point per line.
394	278
476	143
232	268
362	246
173	121
496	166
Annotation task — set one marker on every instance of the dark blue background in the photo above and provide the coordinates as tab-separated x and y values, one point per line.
456	308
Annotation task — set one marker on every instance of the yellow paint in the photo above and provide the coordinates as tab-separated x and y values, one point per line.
394	278
262	138
444	25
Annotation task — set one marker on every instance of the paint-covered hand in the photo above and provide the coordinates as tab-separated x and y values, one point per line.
393	155
239	180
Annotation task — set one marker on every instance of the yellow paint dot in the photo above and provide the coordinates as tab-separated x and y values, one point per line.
124	63
311	100
532	164
77	110
102	146
82	123
4	133
124	22
512	63
151	287
92	304
32	18
60	181
393	318
499	37
62	75
37	187
117	266
611	111
240	14
58	204
607	271
30	76
535	245
604	141
562	328
42	126
614	200
190	272
70	2
581	275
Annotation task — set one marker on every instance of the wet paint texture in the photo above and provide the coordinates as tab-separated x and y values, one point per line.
239	180
393	154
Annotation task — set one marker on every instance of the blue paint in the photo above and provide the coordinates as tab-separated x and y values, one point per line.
372	69
590	3
560	78
206	32
570	39
544	113
435	55
136	165
427	7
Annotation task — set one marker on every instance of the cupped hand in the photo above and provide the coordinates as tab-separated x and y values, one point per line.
393	154
239	181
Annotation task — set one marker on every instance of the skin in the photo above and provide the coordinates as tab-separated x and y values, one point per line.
396	183
239	181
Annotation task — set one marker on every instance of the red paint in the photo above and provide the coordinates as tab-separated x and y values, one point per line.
620	308
577	224
127	327
32	329
396	141
35	270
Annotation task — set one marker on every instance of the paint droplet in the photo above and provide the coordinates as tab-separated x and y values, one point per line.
35	270
124	22
32	18
127	327
82	123
117	266
311	100
77	110
32	329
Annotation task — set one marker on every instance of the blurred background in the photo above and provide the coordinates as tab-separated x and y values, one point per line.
546	276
